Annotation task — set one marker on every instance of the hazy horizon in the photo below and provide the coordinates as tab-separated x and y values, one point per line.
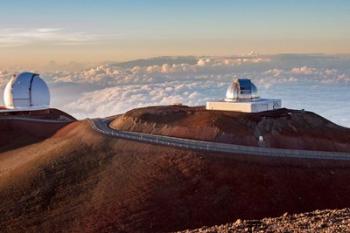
53	65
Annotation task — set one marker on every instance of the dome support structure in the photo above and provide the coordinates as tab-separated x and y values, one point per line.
30	89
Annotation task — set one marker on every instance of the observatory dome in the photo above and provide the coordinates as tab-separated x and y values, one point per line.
241	90
26	91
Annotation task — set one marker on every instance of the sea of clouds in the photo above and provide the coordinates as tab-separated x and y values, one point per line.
317	83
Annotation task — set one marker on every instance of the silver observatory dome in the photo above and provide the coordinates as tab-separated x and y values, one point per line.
26	91
241	90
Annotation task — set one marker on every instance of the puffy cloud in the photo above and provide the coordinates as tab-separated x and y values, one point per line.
109	74
303	70
274	72
118	99
203	61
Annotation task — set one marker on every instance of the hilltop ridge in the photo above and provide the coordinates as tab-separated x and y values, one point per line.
282	128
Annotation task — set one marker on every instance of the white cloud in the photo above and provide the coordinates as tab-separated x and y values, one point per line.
274	72
48	30
303	70
13	37
118	99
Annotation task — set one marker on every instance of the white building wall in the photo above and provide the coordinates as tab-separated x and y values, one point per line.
259	105
228	106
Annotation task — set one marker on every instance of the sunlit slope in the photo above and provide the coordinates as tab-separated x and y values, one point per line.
20	128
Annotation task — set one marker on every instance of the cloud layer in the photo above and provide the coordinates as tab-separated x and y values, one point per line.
316	83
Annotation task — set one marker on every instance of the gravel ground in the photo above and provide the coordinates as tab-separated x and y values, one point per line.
337	220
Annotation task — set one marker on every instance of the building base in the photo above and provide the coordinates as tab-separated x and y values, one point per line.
258	105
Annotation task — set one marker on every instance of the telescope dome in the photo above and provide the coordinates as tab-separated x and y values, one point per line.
26	91
241	90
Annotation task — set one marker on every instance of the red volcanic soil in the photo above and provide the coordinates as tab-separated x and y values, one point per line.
82	181
283	128
15	133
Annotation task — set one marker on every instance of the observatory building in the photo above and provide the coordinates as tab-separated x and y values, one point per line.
26	91
242	96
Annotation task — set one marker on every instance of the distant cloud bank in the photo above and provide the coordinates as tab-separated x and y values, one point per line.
313	82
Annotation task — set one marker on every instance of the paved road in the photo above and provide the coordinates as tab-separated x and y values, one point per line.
102	126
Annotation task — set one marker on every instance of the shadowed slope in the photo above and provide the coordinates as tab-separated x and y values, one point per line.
16	132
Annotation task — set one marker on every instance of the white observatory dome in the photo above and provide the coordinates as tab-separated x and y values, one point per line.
241	90
26	91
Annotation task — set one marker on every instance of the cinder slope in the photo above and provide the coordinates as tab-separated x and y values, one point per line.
44	186
81	181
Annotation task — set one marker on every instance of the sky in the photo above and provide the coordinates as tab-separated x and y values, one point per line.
38	32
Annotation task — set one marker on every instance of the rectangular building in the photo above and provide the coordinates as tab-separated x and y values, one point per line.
258	105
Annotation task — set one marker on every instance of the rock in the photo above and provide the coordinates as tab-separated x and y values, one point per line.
238	222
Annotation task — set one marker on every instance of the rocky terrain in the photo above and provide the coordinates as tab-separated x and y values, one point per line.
79	180
316	221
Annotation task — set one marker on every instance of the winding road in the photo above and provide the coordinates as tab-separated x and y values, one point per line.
102	126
